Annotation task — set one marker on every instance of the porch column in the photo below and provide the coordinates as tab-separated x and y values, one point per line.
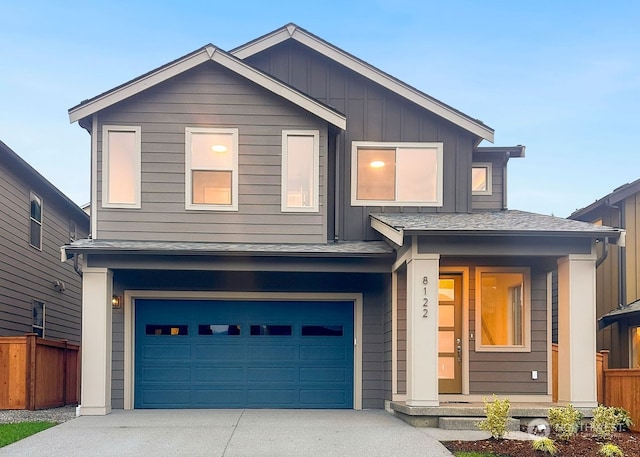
577	331
97	287
422	330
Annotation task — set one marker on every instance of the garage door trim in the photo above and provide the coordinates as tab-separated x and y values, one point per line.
129	326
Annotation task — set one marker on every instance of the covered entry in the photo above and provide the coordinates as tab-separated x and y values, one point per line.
243	354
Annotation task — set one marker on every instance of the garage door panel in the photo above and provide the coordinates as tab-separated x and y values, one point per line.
267	375
238	354
167	351
323	375
219	352
271	351
218	374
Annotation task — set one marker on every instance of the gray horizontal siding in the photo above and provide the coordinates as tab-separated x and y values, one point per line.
210	96
495	201
28	274
374	114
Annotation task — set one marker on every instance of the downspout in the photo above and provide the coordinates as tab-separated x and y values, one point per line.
605	252
504	180
336	196
622	262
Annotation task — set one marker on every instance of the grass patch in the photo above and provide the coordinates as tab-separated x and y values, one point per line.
474	454
10	433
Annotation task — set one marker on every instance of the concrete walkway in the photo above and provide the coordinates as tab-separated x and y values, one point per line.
233	433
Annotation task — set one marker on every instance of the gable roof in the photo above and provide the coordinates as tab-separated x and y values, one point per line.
293	32
17	164
485	223
189	61
619	194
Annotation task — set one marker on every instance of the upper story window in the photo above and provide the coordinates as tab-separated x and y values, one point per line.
481	179
35	222
396	174
211	173
38	318
121	149
503	309
300	170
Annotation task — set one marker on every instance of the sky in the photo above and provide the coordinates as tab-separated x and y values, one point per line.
561	77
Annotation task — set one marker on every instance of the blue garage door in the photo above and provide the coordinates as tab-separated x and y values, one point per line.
239	354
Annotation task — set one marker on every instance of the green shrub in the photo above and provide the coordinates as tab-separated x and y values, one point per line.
497	412
610	450
623	417
565	422
545	445
604	422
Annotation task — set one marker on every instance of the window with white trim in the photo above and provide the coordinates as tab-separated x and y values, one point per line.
121	155
211	173
396	174
38	318
503	309
35	221
300	170
481	181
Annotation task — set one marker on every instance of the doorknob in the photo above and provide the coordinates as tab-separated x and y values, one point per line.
459	349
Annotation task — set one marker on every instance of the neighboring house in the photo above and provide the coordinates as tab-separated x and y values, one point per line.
286	226
37	293
618	276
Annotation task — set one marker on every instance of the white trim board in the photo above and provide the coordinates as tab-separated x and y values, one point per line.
194	59
129	326
292	31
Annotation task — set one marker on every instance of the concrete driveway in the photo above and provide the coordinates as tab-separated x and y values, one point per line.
232	433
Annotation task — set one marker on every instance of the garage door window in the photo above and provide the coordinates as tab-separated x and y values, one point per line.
219	329
322	330
271	330
166	330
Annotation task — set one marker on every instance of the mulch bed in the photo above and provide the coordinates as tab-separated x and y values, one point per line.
581	445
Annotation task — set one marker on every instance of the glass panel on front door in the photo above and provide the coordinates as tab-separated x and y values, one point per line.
450	334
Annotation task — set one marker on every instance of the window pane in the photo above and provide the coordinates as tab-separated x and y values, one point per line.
300	171
502	311
212	150
211	187
122	167
417	174
322	330
446	341
446	290
446	368
479	179
635	347
38	314
273	330
36	208
219	329
446	316
35	237
376	174
171	329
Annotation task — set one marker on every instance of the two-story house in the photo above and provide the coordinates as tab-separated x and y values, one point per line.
617	278
286	226
38	293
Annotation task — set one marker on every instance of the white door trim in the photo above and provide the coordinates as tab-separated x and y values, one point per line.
129	325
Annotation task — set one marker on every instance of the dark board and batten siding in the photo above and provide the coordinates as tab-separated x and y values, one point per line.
374	114
211	96
28	274
374	288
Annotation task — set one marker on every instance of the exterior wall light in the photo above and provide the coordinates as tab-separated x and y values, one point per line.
116	302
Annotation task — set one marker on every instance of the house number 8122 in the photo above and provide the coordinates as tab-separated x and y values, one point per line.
425	300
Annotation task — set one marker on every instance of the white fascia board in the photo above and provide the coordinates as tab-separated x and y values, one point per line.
368	72
280	89
397	236
139	85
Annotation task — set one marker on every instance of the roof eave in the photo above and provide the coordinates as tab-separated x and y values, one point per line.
292	31
192	60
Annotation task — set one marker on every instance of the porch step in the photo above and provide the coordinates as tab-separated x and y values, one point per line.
471	423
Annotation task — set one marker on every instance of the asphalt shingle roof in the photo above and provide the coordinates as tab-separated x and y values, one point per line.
492	222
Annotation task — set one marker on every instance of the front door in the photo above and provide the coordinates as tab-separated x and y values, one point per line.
450	334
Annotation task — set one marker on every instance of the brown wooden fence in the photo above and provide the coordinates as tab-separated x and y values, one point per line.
616	387
36	373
